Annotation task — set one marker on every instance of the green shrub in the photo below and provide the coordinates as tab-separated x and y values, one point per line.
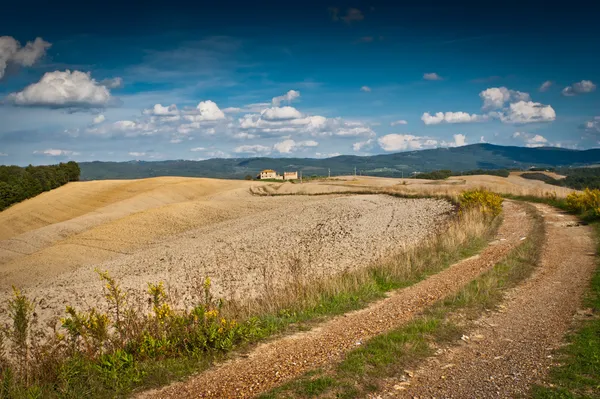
485	201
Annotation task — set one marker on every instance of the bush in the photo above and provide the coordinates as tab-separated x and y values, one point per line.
486	201
586	204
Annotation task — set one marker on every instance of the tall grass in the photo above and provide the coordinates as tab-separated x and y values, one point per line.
109	354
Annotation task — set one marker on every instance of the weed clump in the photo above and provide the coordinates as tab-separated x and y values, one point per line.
487	202
106	348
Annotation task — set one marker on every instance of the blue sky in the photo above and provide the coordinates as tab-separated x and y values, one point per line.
311	79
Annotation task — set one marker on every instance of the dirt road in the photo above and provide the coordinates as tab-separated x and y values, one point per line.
512	349
273	363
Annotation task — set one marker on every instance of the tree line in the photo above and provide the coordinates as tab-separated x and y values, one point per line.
18	184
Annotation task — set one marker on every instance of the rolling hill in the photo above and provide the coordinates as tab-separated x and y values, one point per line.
476	156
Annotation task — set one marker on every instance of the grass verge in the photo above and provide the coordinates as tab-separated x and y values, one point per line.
578	372
387	355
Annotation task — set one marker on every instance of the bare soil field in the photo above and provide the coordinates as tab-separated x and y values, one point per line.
514	184
180	230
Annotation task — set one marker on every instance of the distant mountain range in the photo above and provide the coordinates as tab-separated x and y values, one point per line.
476	156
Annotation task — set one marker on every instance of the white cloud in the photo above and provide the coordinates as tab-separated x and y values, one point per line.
51	152
176	140
137	154
11	52
402	142
585	86
197	149
99	119
206	111
3	154
253	149
432	76
288	146
270	123
244	136
450	117
288	97
359	131
124	128
232	110
327	154
112	83
365	89
278	114
546	85
496	97
160	110
63	89
459	140
399	122
528	112
593	125
531	140
363	145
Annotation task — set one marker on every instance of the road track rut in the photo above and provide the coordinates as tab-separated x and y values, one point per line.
514	347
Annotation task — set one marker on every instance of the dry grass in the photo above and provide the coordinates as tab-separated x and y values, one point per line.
407	265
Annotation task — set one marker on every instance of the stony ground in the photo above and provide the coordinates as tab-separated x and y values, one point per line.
509	350
279	239
272	363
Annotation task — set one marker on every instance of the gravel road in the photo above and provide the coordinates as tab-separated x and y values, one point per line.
512	349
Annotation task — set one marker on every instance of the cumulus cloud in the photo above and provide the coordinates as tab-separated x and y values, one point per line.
450	117
287	97
271	123
112	83
280	114
288	146
531	140
253	149
459	141
137	154
528	112
197	149
399	122
585	86
365	89
206	111
99	119
496	97
63	90
403	142
432	76
11	52
546	85
51	152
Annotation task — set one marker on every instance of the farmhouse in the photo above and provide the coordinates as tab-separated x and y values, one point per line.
271	174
